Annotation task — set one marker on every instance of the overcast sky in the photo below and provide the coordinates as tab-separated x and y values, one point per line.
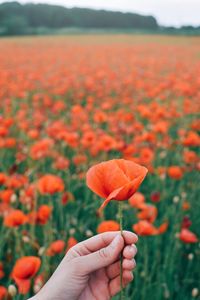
167	12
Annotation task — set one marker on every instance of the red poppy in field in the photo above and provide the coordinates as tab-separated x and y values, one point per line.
24	270
106	143
80	159
50	184
41	149
16	181
161	127
70	138
71	243
61	163
137	201
5	209
56	247
33	133
88	139
3	292
188	236
100	117
175	172
192	139
149	213
146	156
109	225
117	179
15	218
146	228
186	205
6	195
43	214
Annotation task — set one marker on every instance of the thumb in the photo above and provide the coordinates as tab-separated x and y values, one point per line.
103	257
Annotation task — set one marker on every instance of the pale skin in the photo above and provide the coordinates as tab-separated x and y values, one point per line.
91	269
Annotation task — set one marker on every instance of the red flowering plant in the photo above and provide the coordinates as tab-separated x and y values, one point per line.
116	180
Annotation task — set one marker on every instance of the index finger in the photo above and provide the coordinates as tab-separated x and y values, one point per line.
104	239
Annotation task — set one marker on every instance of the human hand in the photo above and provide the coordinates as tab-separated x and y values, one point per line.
91	269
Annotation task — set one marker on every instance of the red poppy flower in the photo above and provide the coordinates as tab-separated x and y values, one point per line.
188	236
137	201
56	247
43	214
6	195
175	172
117	179
41	149
50	184
109	225
146	228
15	218
71	243
192	139
25	268
149	213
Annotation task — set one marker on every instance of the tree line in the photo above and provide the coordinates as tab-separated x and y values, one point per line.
16	19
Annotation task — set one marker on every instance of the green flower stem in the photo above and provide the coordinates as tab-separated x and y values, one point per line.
120	212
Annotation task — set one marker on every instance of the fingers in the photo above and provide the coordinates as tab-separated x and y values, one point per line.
102	240
130	251
101	258
128	262
113	270
114	285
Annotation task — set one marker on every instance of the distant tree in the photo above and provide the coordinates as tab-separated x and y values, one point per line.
14	26
17	18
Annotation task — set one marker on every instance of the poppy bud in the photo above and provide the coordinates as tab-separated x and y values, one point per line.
12	290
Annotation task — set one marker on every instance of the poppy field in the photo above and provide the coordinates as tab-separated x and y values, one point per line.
69	103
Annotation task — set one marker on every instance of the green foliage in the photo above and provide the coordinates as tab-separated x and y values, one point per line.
14	26
18	19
